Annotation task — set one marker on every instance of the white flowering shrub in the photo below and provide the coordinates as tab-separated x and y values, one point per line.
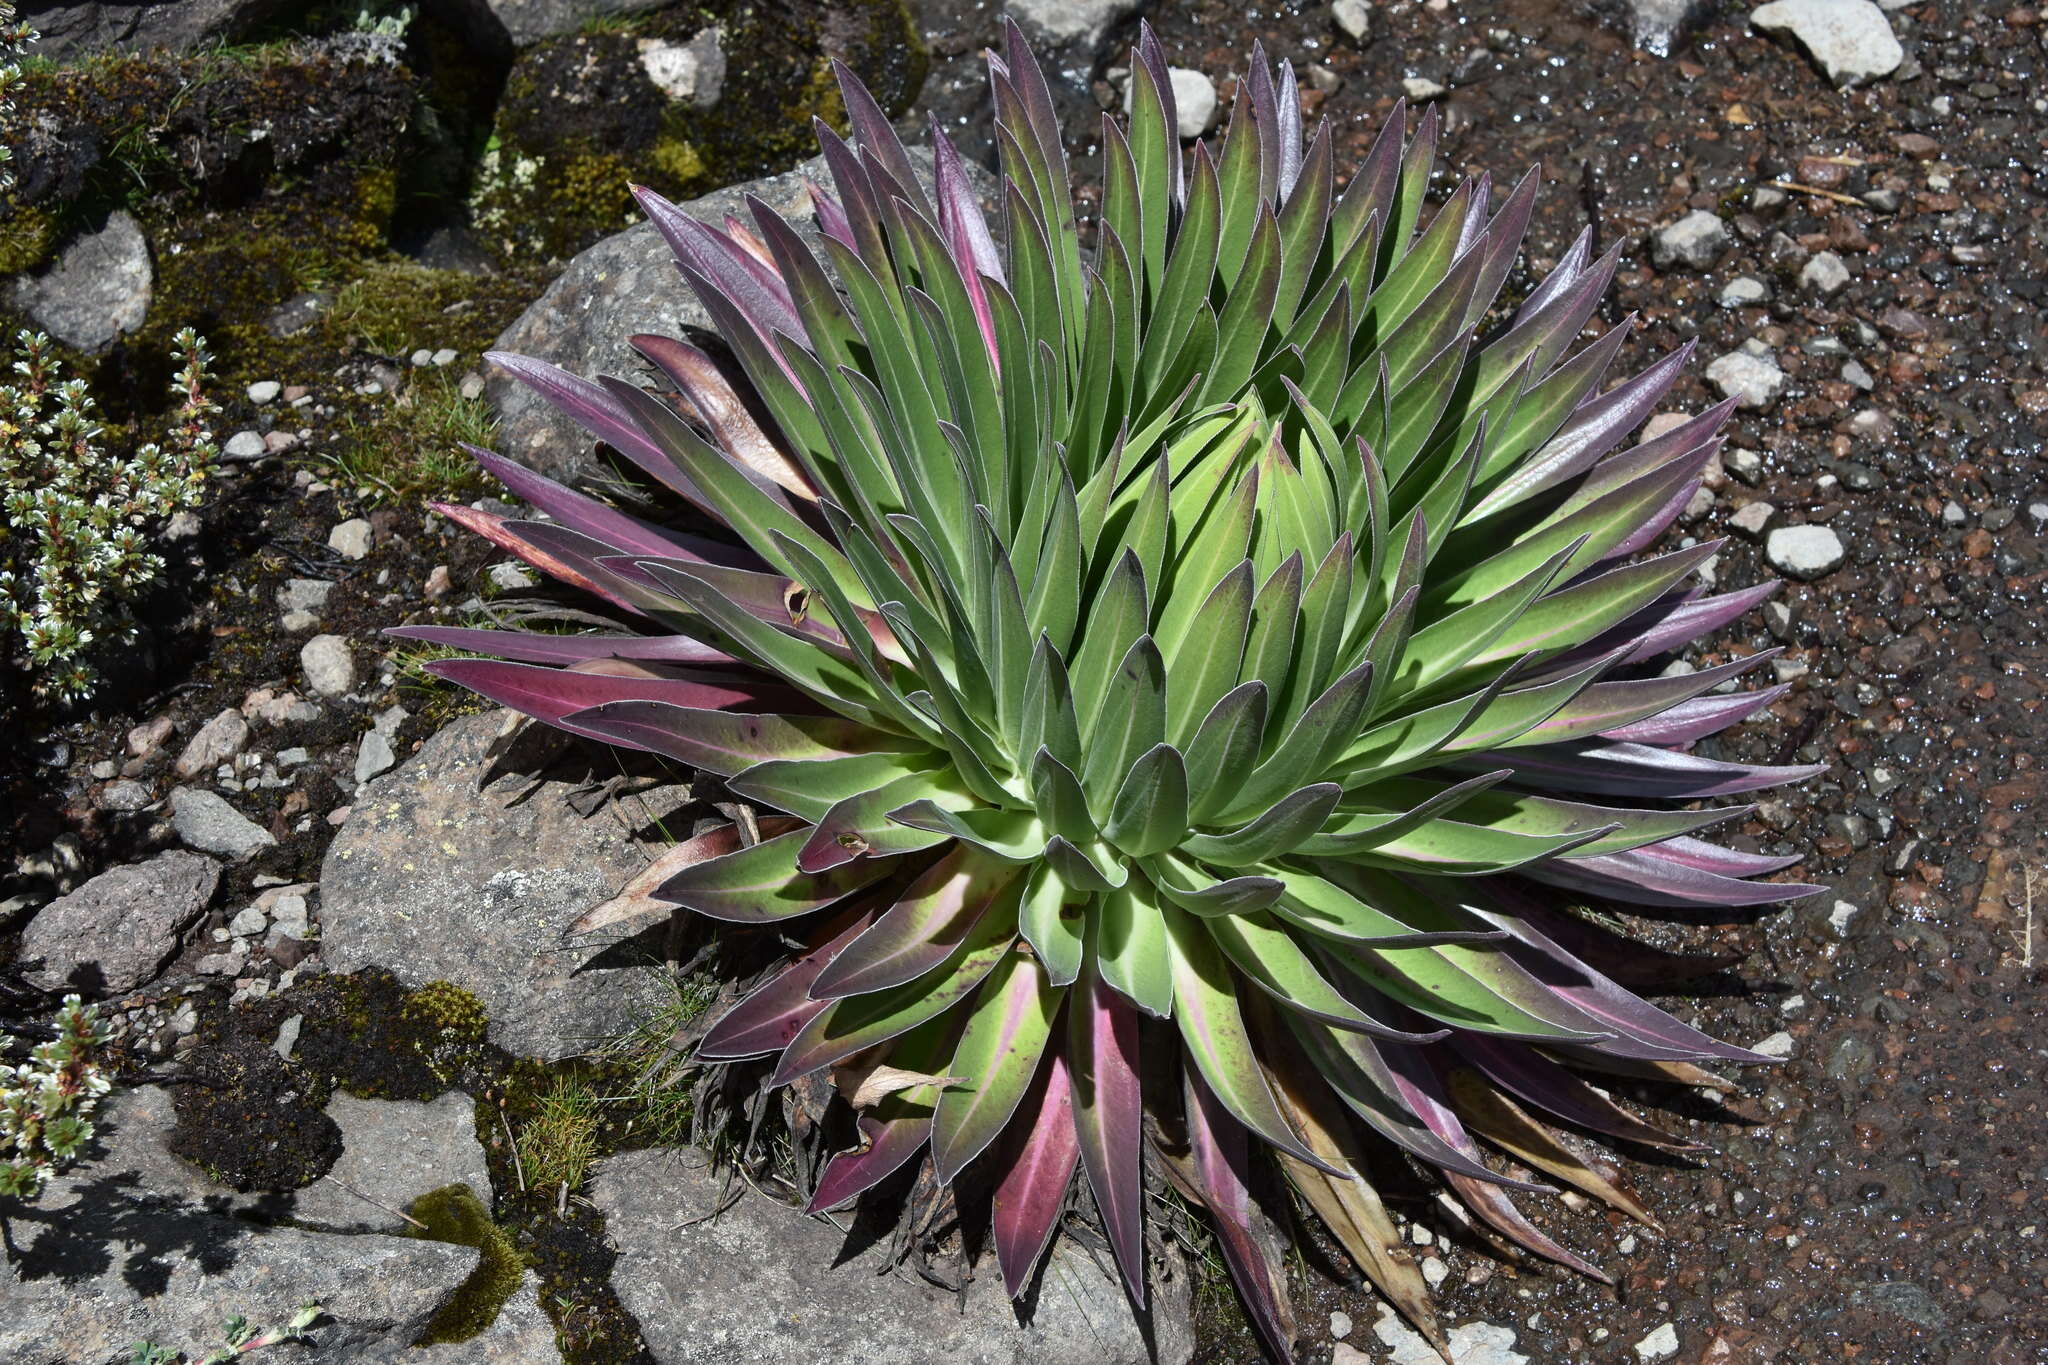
15	37
76	520
46	1102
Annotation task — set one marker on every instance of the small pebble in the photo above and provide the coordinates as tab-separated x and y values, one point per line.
1805	552
444	357
1661	1344
264	391
350	539
1340	1325
244	445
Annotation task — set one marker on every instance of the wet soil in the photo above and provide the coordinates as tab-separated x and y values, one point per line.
1879	1196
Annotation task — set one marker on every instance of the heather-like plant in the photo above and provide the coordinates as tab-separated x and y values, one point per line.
74	537
46	1103
1198	676
15	38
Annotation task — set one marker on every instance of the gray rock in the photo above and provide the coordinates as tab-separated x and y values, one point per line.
374	756
529	21
329	665
1825	274
249	921
350	539
511	577
1805	552
691	73
204	821
625	284
1471	1343
244	445
438	874
1194	101
760	1282
124	795
1084	23
1753	380
217	741
1744	291
1662	1343
304	594
1753	518
97	290
75	28
393	1151
134	1245
1353	19
264	391
522	1334
1660	27
119	929
1850	40
1695	241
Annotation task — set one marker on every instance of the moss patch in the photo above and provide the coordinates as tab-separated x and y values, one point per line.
581	120
454	1214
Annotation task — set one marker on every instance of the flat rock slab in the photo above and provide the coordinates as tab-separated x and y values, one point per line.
438	880
129	1247
761	1282
119	930
393	1152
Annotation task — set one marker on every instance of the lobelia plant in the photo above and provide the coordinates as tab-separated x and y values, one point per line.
1199	676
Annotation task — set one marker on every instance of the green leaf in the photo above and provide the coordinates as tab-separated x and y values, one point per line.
1290	820
1205	1008
1128	944
998	1055
1054	924
761	884
1150	813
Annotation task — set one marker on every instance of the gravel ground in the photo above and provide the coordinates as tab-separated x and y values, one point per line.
1879	1197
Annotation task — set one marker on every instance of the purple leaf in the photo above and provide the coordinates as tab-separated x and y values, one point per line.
1523	1071
1109	1121
551	694
773	1012
1609	769
530	647
628	535
1038	1169
1221	1157
586	403
1696	719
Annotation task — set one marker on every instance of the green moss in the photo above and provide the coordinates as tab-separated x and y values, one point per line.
454	1214
678	158
27	236
445	1008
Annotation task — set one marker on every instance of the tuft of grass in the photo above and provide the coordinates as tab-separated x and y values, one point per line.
659	1073
412	447
560	1142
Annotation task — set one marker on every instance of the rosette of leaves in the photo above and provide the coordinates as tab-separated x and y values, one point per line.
1194	673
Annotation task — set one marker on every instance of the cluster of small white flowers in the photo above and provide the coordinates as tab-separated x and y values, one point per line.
45	1102
73	522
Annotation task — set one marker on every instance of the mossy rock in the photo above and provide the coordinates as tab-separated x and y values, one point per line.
454	1214
581	120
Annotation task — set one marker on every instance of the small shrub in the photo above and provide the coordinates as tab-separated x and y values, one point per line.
46	1102
75	520
240	1340
15	37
